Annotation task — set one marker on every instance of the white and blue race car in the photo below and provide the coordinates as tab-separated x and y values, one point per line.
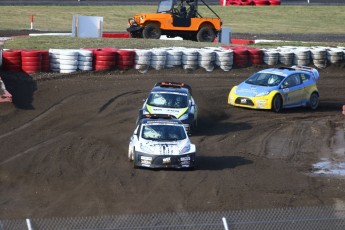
161	141
174	99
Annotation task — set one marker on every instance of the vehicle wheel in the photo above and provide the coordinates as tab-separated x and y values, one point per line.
136	34
152	31
135	162
314	101
130	155
277	103
205	34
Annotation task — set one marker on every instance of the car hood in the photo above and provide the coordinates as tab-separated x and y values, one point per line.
248	90
176	112
165	148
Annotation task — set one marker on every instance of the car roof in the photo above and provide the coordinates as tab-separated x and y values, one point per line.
286	71
169	89
161	119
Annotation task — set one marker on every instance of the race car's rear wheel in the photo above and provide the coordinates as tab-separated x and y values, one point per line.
205	34
152	31
314	101
277	103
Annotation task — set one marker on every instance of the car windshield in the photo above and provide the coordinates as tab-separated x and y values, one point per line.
265	79
160	132
165	6
168	100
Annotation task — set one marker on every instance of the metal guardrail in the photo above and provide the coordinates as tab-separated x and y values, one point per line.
306	218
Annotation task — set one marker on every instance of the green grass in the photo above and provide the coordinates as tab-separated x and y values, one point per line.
281	19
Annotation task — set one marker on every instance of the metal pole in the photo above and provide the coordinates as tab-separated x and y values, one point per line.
225	223
28	223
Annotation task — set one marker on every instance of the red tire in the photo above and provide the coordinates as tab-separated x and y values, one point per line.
31	53
12	61
104	58
31	59
275	2
261	2
32	63
11	53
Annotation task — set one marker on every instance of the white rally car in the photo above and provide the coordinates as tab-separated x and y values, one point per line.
161	141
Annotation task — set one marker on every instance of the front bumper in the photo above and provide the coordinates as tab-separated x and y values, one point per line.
262	102
164	161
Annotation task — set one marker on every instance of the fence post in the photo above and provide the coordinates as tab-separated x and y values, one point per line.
28	223
225	223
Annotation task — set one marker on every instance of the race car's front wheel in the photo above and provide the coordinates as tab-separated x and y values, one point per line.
152	31
277	103
314	101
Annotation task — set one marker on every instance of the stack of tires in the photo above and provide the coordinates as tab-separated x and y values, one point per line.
85	60
158	58
302	56
225	59
251	2
125	59
319	57
190	59
335	55
255	56
142	60
68	60
286	56
45	63
105	59
241	57
174	57
31	61
206	59
271	56
12	60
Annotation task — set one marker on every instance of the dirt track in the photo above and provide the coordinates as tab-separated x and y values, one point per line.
64	148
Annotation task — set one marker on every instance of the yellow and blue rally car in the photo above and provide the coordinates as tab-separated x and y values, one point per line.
278	88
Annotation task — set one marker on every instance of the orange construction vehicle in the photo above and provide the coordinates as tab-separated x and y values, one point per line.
176	18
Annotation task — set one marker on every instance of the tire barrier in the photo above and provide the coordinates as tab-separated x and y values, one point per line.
12	60
255	56
335	55
271	56
319	57
286	56
142	60
158	58
251	2
174	57
241	57
225	59
68	60
105	59
125	59
302	57
208	58
85	60
45	62
31	61
190	59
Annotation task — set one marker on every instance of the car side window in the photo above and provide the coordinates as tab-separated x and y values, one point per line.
304	77
292	80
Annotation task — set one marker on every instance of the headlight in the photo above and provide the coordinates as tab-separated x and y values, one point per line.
185	149
145	148
145	112
183	117
262	94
